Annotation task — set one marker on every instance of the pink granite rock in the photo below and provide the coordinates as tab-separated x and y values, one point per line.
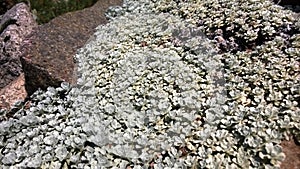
13	92
48	57
15	25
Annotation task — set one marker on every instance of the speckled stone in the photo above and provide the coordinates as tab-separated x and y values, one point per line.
15	25
48	55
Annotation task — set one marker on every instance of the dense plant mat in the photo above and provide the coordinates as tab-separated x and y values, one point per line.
170	84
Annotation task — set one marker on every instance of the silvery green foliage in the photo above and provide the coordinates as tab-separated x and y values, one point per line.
235	25
267	83
38	136
249	116
133	7
154	75
150	94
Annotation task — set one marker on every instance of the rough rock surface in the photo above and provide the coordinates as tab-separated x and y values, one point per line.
292	152
13	92
48	57
15	25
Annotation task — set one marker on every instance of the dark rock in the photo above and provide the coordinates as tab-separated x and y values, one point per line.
48	55
6	5
15	25
287	2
